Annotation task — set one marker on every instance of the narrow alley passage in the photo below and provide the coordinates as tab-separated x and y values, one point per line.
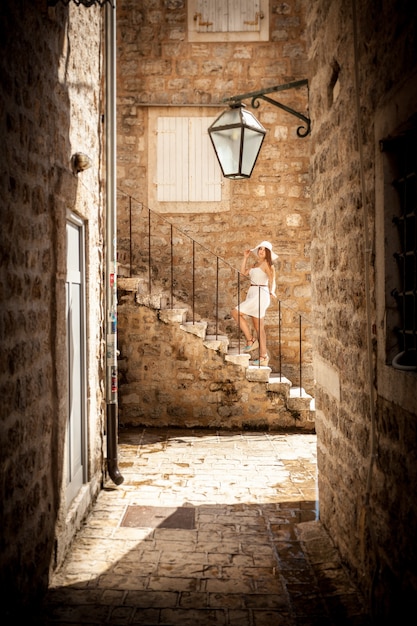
208	528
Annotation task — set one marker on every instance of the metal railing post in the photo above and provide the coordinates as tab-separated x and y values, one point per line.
279	340
300	355
238	317
217	297
259	325
149	252
130	236
172	269
193	281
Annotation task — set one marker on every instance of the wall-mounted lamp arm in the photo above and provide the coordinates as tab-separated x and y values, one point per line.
302	131
255	96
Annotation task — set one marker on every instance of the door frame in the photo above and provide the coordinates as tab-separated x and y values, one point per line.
72	489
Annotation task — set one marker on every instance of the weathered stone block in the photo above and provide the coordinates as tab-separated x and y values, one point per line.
255	373
238	359
220	344
173	315
197	328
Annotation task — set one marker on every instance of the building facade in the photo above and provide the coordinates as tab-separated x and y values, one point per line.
52	264
363	102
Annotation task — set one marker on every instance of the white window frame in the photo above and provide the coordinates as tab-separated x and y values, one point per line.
176	184
214	20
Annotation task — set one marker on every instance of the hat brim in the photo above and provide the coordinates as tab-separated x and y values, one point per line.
273	255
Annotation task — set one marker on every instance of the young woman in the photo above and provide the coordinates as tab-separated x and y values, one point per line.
262	276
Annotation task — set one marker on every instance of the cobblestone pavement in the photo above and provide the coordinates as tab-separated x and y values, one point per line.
208	528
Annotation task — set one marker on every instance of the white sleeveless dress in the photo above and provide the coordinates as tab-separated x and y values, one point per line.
258	298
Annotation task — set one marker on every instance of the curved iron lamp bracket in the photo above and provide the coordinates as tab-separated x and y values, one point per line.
255	96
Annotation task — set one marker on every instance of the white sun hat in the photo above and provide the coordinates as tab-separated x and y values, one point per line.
265	244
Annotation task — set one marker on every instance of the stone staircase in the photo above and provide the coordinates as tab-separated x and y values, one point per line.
257	396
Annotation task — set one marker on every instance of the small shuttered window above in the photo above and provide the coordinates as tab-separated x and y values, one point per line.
228	20
186	166
228	15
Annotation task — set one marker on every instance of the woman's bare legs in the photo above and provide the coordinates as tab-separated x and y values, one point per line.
260	330
241	321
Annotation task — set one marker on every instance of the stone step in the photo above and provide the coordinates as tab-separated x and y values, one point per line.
173	315
153	301
299	399
195	328
233	351
256	373
237	359
218	344
128	284
279	384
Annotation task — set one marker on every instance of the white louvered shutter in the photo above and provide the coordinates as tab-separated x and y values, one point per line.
228	16
172	159
212	16
205	177
244	15
187	169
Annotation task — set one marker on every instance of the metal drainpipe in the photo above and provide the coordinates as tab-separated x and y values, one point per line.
111	248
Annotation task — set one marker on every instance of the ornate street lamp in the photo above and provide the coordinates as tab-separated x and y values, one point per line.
237	136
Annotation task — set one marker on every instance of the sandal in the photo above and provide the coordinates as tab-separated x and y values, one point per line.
251	346
262	361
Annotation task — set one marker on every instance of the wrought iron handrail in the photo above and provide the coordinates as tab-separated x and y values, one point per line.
219	259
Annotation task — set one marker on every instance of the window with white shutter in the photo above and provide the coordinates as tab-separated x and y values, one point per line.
228	20
183	167
172	163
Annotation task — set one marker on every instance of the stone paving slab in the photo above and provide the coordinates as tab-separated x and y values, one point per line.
256	554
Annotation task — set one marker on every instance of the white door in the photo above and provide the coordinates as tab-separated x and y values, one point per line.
75	436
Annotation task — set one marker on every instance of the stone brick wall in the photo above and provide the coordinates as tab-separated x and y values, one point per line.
50	94
365	474
158	65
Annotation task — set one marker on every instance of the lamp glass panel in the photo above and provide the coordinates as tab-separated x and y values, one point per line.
250	121
227	118
227	145
252	142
